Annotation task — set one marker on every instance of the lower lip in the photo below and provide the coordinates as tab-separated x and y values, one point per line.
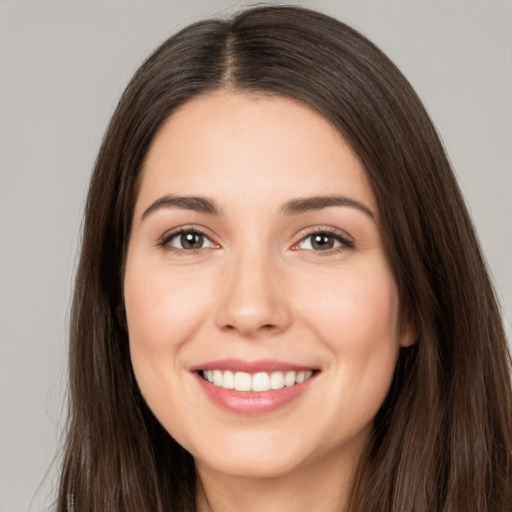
252	403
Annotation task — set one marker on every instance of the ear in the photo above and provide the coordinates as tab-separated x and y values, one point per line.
408	333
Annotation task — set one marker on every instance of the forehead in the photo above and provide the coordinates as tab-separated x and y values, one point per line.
229	144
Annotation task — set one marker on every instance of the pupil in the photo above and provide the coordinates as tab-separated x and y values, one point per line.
322	242
191	241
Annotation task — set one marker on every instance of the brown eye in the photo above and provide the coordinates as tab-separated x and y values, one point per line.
191	240
188	241
324	241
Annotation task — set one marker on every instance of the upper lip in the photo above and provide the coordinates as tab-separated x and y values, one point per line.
259	365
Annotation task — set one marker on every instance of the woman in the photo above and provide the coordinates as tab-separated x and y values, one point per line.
281	301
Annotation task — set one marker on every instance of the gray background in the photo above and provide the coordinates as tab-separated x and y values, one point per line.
63	66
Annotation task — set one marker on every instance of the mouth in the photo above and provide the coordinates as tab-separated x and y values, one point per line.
254	387
257	382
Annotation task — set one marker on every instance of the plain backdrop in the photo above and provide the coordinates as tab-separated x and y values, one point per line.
63	66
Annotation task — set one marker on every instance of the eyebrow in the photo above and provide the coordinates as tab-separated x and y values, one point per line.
311	204
292	207
197	204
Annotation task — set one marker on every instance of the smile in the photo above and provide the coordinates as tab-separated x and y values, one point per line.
253	387
256	382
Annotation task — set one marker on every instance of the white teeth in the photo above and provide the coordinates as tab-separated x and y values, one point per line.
228	380
289	379
217	377
276	380
242	381
261	381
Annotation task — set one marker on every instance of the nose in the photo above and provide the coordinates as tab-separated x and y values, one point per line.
253	299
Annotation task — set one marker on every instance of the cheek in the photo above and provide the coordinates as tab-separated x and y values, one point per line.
356	317
368	347
357	309
161	308
164	310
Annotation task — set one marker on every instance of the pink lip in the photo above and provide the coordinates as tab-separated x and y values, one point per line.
251	403
260	365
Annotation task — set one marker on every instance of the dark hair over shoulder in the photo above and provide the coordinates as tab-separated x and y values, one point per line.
442	438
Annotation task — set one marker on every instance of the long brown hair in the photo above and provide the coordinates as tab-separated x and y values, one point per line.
442	438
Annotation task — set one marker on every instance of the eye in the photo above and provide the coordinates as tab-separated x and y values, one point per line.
188	240
324	241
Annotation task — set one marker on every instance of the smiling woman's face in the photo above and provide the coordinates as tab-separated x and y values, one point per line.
255	261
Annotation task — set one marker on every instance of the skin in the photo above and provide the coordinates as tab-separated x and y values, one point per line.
258	289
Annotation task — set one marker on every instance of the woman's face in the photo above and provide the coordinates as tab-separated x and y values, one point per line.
256	262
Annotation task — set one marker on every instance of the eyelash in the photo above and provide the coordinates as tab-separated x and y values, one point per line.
344	241
168	237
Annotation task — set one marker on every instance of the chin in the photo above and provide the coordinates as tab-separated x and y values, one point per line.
269	468
259	458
